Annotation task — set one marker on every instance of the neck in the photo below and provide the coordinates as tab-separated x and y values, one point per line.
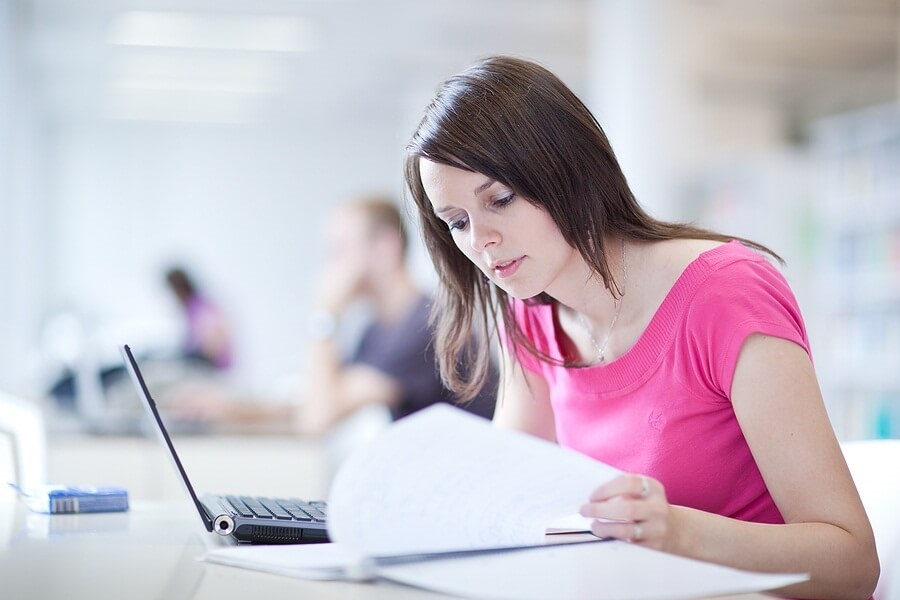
582	291
597	310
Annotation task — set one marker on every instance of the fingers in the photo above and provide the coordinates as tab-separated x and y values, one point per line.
629	507
635	486
637	532
645	532
645	486
619	509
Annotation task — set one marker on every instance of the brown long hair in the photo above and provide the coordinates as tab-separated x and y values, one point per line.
517	123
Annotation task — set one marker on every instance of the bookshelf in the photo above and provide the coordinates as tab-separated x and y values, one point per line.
856	267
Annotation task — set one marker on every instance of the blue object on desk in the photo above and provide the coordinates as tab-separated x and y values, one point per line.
62	499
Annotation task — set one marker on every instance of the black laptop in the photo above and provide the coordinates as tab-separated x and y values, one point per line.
249	519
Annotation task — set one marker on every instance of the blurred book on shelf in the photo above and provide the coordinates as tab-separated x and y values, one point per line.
857	268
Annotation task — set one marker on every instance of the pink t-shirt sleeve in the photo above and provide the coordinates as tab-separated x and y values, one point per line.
740	298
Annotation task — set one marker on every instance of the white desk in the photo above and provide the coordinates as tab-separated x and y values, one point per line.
147	553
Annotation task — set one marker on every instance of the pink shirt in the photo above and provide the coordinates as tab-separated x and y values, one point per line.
663	409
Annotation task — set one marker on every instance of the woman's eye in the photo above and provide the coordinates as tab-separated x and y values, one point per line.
457	224
503	200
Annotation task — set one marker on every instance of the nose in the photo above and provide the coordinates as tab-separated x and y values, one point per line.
482	235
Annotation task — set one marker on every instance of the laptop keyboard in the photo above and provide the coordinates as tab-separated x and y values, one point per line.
279	509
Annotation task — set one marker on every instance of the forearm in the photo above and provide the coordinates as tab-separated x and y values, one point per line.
253	411
338	390
833	557
321	407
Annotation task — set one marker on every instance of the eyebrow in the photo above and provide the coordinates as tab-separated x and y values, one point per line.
475	192
484	186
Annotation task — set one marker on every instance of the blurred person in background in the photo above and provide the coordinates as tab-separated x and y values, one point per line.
393	363
207	337
93	379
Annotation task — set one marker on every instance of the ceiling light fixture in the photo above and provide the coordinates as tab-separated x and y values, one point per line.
211	31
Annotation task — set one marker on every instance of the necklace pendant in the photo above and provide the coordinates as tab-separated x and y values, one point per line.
601	348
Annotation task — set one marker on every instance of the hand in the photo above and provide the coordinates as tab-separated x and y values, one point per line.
337	287
631	508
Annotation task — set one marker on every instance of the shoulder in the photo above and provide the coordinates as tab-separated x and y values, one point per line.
673	258
728	289
737	292
706	265
734	276
724	285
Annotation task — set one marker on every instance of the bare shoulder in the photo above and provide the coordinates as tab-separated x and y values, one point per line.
670	258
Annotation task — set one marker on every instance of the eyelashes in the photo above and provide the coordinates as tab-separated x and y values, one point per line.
496	203
458	224
503	200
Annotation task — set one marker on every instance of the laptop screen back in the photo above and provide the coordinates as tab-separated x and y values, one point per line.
141	387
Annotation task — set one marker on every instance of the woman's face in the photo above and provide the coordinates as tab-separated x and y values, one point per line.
512	241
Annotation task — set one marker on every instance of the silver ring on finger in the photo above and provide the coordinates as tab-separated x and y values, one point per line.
637	533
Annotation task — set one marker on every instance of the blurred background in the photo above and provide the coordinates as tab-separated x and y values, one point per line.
216	135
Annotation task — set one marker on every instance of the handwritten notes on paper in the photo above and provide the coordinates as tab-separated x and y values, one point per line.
443	480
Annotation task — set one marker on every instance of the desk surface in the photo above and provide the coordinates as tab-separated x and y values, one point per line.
150	552
147	553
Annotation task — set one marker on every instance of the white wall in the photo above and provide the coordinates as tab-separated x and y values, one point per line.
22	277
6	54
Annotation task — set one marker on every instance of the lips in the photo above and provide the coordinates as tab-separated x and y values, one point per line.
505	268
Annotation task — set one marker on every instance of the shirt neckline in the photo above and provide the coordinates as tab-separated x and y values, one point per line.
638	362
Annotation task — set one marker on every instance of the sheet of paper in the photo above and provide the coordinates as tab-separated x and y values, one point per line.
444	480
306	561
573	523
597	571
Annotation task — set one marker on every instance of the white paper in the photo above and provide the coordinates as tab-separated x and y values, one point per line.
573	523
310	561
596	571
443	480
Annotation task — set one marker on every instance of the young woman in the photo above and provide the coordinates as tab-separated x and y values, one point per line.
676	354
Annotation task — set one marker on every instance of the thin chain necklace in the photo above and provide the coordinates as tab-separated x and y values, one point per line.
601	348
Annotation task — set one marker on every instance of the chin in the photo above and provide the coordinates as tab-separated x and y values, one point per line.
519	292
